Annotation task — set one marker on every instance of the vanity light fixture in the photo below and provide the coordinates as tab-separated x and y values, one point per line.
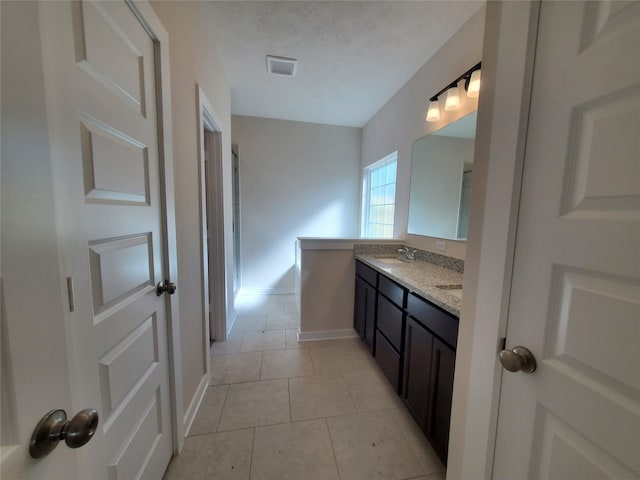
473	84
433	114
452	101
452	98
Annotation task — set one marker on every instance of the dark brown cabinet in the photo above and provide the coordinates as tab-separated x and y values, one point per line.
413	342
365	304
390	330
429	364
443	361
417	356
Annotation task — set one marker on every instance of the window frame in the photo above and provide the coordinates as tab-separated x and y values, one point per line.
367	172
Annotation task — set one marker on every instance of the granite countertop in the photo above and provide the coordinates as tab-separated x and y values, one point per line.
420	277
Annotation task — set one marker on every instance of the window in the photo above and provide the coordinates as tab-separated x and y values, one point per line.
379	198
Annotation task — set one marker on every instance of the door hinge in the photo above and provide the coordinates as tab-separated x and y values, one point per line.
70	293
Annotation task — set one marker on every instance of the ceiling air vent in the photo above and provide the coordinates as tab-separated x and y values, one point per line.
281	66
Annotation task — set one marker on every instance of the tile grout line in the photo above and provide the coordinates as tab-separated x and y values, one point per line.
289	392
344	379
253	442
335	458
224	402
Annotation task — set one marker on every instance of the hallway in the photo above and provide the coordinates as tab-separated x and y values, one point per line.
279	409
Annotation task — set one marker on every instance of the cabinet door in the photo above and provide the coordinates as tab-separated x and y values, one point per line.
365	311
443	360
360	306
370	316
417	367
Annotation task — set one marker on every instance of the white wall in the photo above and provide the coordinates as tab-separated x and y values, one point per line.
194	61
296	179
402	120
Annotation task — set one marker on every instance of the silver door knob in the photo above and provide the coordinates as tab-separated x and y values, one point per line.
54	427
518	359
166	286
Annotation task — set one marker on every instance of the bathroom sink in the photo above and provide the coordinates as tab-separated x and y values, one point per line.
392	261
452	289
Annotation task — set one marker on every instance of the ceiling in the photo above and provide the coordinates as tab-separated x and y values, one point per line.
352	56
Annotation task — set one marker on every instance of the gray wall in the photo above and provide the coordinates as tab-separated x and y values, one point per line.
296	179
402	119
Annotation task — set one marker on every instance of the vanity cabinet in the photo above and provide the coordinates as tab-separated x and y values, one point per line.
429	363
414	343
390	318
365	304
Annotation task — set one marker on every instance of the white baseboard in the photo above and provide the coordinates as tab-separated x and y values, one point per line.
231	320
190	415
266	291
326	335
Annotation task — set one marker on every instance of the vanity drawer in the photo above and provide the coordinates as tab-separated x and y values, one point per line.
443	324
390	321
367	273
388	360
392	290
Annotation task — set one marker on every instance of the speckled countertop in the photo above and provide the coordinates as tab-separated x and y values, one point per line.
420	277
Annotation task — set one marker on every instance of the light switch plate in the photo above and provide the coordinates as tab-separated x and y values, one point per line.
441	245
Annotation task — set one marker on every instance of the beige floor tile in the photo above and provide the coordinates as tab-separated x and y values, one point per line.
292	340
420	446
340	359
350	342
282	321
286	363
223	456
255	404
235	368
288	298
230	345
370	390
260	341
371	446
296	451
263	308
206	420
292	309
246	322
319	396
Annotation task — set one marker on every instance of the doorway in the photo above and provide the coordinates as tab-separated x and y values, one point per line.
235	168
212	222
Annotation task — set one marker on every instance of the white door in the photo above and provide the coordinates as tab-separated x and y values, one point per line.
100	82
575	300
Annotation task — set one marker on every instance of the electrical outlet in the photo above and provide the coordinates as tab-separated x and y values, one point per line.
441	245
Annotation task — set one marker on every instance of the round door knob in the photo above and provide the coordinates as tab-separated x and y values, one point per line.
81	428
518	359
166	286
54	427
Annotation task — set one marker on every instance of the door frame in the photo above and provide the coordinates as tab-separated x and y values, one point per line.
212	213
508	62
151	22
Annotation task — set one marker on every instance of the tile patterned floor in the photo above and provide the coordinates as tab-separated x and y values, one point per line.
277	409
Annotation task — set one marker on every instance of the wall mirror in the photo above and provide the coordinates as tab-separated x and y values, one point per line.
441	175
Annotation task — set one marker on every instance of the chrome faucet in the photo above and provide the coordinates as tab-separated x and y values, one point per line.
408	252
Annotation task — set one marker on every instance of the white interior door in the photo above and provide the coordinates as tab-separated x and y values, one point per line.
575	300
100	80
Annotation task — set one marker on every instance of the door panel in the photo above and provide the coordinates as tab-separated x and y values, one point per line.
100	86
575	299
